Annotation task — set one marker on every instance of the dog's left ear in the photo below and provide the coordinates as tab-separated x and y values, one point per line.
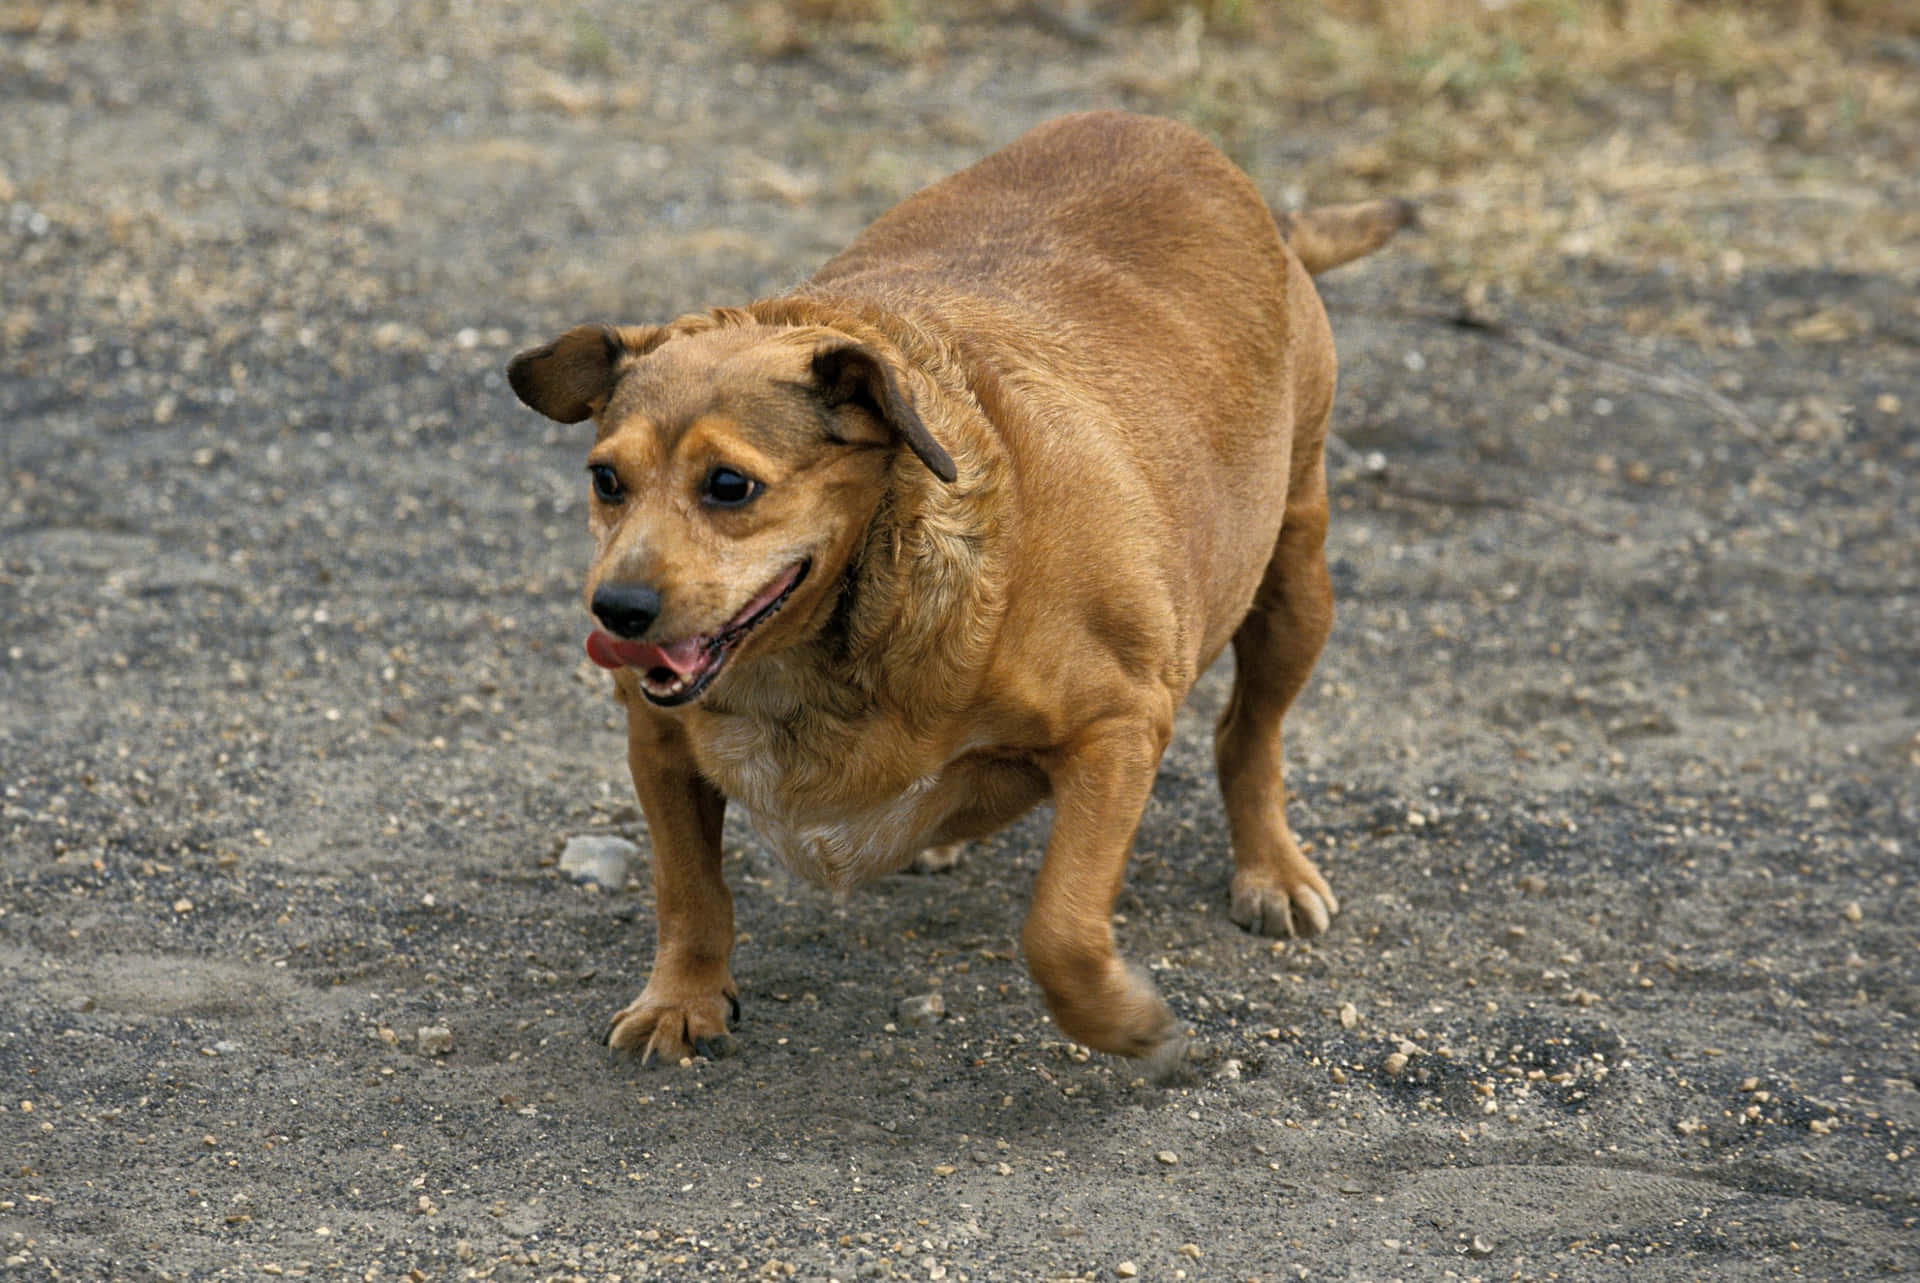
571	378
851	373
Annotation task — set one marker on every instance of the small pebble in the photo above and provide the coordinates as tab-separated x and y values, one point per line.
921	1011
1480	1246
434	1040
1349	1015
1395	1064
599	859
1852	912
1168	1157
1127	1270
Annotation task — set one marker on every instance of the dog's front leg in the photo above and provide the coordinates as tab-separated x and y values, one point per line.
690	999
1100	785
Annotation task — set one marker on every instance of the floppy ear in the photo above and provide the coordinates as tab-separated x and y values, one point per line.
571	377
850	373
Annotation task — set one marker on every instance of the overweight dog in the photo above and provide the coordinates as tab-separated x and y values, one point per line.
951	529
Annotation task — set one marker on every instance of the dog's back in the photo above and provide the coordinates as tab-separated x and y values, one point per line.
1121	198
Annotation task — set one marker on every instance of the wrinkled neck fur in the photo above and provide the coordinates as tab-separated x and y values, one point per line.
928	589
924	593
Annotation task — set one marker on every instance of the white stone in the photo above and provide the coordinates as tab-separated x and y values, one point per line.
927	1009
598	858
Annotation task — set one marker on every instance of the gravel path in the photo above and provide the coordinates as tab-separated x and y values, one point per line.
1614	759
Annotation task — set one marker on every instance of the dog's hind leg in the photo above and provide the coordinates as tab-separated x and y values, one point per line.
1276	889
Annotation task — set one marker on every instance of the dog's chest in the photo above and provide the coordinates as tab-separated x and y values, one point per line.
835	819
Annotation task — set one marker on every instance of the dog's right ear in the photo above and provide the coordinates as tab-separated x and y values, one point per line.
852	373
571	378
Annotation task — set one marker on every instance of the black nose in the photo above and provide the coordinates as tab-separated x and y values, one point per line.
627	610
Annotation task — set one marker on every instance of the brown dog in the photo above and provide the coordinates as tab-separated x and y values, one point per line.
952	529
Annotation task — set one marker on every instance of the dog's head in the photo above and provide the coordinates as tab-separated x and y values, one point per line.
734	469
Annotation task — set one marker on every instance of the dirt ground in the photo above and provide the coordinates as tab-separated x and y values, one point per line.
1614	759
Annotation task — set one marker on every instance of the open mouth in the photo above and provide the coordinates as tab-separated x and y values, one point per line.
677	672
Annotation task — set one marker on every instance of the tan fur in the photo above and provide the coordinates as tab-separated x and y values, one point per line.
1100	336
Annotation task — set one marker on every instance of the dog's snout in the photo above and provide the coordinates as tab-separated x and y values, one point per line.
627	610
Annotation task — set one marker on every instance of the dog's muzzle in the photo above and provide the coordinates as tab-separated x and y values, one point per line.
677	672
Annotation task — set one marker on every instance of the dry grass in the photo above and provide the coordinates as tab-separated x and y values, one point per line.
1689	134
1662	133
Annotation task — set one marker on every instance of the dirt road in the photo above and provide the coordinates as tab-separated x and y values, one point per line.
1614	758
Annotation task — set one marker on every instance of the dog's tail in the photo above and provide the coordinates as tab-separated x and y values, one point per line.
1331	235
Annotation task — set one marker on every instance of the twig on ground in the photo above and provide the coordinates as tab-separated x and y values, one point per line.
1373	468
1670	380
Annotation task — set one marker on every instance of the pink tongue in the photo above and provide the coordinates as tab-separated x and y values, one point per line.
682	657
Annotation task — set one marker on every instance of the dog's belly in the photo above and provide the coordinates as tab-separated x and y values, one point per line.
838	842
846	848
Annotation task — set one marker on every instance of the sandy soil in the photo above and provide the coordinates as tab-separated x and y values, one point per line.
1614	758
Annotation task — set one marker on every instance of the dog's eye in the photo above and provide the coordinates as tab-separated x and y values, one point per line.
725	488
606	483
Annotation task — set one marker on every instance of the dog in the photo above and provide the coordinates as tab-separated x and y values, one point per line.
951	529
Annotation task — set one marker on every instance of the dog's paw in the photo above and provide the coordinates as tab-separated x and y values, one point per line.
1116	1010
673	1028
1169	1064
938	859
1272	905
